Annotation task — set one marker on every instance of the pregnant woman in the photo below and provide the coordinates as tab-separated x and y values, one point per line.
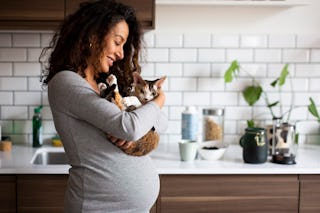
101	37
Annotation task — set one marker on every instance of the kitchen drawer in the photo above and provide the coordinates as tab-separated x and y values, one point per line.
309	193
221	193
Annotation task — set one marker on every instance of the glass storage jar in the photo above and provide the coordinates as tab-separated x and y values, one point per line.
213	124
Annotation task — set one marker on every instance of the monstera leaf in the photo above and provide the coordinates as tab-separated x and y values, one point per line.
231	71
252	94
313	109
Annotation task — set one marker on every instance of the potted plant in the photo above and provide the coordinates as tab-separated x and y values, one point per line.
253	92
282	132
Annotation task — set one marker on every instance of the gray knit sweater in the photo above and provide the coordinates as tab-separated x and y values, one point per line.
102	178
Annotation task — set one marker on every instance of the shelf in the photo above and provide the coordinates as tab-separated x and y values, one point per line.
271	3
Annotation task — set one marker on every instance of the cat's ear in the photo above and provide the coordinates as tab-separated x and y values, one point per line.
160	81
137	79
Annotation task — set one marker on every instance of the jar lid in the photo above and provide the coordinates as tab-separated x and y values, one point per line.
213	111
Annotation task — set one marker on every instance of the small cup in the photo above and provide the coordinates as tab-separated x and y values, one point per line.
188	150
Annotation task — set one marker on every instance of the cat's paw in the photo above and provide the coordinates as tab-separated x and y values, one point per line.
112	79
102	86
131	101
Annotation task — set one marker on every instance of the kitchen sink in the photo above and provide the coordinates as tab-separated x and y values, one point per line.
50	156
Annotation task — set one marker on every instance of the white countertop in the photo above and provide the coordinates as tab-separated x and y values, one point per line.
18	161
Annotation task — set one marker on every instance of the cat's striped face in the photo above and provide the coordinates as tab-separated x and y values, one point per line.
146	90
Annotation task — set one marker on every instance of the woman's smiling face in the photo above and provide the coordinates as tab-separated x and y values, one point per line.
113	45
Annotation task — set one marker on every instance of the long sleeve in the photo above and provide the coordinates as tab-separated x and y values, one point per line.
70	93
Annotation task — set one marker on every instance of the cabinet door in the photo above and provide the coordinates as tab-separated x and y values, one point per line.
232	193
31	14
7	193
309	193
145	10
41	193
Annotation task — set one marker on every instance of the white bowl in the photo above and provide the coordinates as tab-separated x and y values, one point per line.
211	154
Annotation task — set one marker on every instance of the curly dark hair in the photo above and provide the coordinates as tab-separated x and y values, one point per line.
82	36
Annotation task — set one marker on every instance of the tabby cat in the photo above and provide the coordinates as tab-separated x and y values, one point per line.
142	91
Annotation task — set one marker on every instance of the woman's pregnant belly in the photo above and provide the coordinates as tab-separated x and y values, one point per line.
117	183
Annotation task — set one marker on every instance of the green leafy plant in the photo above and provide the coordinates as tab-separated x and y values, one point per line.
252	93
313	109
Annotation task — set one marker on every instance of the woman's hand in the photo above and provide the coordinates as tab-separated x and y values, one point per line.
160	99
122	144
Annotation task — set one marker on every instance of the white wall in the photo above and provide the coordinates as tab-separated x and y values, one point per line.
237	19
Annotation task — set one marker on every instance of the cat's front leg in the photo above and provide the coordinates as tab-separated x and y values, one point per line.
131	101
112	79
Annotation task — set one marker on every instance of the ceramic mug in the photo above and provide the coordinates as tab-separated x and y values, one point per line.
188	150
255	145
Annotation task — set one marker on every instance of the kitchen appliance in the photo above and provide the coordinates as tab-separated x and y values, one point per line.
284	139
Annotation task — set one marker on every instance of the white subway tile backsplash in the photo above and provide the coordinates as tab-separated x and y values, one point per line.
242	55
307	70
212	55
224	99
315	85
5	40
308	41
174	127
253	41
196	69
267	55
34	84
169	40
182	84
169	69
238	113
257	70
14	112
197	40
157	55
296	55
45	39
315	55
147	69
226	41
26	69
6	69
183	55
148	39
274	70
33	54
6	98
196	98
282	41
23	127
173	98
13	54
211	84
26	40
194	64
13	83
27	98
6	127
175	112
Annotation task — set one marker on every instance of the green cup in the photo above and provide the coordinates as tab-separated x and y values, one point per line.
188	150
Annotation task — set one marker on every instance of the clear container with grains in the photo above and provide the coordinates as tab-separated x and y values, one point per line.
213	124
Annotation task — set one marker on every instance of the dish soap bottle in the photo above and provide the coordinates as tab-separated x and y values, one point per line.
37	127
189	124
